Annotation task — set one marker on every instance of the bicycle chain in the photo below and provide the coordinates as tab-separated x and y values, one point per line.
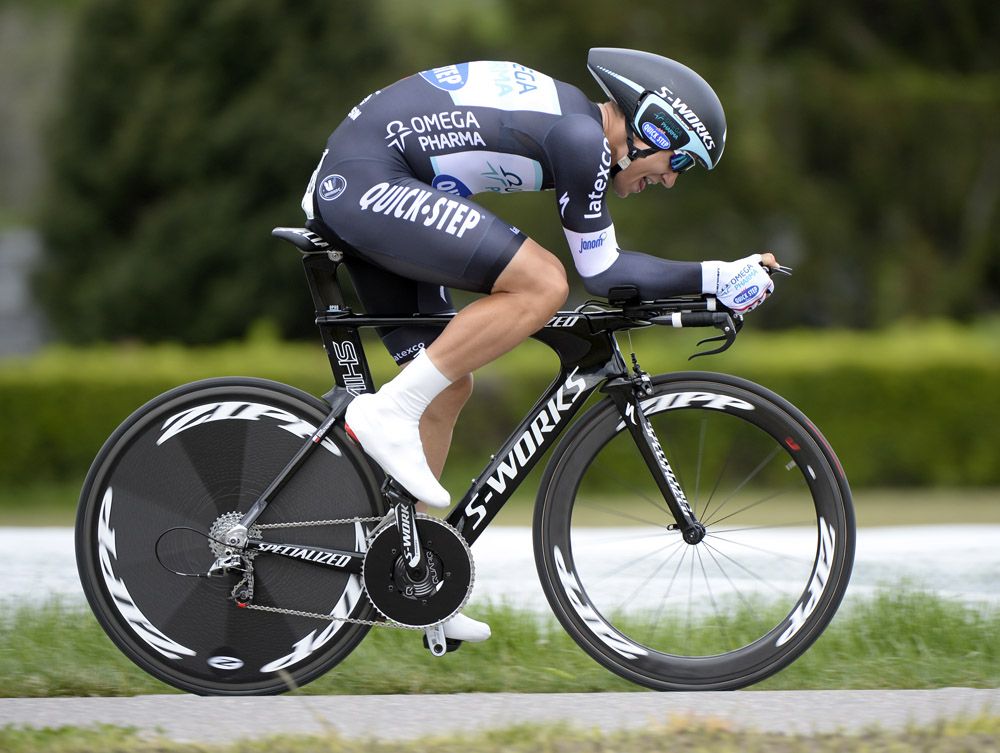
248	579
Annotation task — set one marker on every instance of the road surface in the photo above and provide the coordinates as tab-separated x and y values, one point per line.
191	719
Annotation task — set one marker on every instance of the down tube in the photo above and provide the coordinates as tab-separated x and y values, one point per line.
522	450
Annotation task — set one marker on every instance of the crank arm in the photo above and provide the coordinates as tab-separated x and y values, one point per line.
436	642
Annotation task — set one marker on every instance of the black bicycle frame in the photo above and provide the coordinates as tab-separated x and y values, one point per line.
589	359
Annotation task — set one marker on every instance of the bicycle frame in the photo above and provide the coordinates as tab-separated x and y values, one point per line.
589	357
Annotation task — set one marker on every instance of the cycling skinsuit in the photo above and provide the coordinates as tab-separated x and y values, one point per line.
397	174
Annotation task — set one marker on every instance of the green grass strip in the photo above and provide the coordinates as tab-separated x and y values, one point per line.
897	639
981	735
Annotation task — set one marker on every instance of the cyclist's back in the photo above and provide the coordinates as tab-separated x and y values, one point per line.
408	157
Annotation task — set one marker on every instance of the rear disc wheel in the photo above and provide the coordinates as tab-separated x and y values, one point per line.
189	462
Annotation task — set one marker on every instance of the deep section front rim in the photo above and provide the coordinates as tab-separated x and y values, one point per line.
736	607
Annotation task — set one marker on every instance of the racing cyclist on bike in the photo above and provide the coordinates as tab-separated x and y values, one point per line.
394	183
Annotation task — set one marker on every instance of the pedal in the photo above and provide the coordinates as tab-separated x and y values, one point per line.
450	645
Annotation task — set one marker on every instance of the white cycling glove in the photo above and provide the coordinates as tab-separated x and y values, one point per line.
740	285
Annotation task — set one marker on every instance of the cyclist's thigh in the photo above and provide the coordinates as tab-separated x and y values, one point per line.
416	231
384	293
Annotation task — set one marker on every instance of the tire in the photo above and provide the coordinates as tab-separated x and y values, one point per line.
733	609
184	459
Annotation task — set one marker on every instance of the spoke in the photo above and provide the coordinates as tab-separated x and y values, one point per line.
629	485
750	506
652	575
765	526
736	590
750	476
666	594
629	536
742	567
711	596
621	514
718	481
690	595
755	548
619	569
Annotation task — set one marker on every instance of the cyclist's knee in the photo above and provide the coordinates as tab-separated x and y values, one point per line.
535	272
558	288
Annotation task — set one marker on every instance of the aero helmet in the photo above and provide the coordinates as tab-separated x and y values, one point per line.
665	103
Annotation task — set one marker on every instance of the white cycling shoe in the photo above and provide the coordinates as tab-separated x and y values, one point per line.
462	628
392	439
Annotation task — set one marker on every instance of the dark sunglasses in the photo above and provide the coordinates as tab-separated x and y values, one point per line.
681	162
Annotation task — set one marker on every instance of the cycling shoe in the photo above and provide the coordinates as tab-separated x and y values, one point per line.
462	628
392	440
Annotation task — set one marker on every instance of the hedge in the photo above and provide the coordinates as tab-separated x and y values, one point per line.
917	406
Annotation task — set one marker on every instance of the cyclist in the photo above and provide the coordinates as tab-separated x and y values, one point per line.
394	183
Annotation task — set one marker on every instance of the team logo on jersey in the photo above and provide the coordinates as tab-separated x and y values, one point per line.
589	244
415	204
595	199
450	77
655	136
501	179
396	133
450	184
332	186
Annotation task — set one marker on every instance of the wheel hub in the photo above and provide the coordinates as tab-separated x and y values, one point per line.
217	534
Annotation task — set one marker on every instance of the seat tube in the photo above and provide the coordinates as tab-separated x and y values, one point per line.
624	394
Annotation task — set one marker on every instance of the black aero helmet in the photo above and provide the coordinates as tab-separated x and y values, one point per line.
665	103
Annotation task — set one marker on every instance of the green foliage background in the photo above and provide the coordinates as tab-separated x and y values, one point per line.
916	406
863	148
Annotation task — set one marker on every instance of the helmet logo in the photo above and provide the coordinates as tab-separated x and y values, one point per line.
691	118
655	136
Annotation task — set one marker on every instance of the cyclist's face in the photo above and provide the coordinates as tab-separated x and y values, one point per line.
651	170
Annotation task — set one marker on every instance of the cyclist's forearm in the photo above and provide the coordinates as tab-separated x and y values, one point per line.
654	277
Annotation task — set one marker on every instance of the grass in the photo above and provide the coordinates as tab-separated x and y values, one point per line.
54	504
902	639
981	735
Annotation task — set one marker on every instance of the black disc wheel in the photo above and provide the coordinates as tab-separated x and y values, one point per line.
744	601
181	470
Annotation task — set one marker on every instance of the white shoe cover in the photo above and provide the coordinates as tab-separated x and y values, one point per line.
393	441
462	628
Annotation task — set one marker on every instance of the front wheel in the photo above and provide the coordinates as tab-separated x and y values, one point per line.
184	468
750	597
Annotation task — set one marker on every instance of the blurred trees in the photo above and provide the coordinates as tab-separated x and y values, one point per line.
863	147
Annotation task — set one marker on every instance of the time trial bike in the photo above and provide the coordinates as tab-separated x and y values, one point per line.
691	531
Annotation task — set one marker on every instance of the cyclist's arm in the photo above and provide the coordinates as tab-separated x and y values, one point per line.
581	160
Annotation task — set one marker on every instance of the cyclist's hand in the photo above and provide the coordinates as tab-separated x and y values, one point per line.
740	285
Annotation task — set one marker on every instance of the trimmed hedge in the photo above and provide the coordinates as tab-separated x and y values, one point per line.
911	407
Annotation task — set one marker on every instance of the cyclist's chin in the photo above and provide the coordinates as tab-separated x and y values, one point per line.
622	188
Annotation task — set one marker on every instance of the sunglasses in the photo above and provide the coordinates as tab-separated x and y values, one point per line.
681	162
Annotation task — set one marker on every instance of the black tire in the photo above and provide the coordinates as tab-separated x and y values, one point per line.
184	459
733	609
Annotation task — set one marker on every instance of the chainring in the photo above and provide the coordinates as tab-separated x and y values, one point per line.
441	593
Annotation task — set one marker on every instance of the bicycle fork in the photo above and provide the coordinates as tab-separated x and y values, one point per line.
627	393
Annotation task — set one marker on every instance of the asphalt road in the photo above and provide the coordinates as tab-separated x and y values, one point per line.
193	719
